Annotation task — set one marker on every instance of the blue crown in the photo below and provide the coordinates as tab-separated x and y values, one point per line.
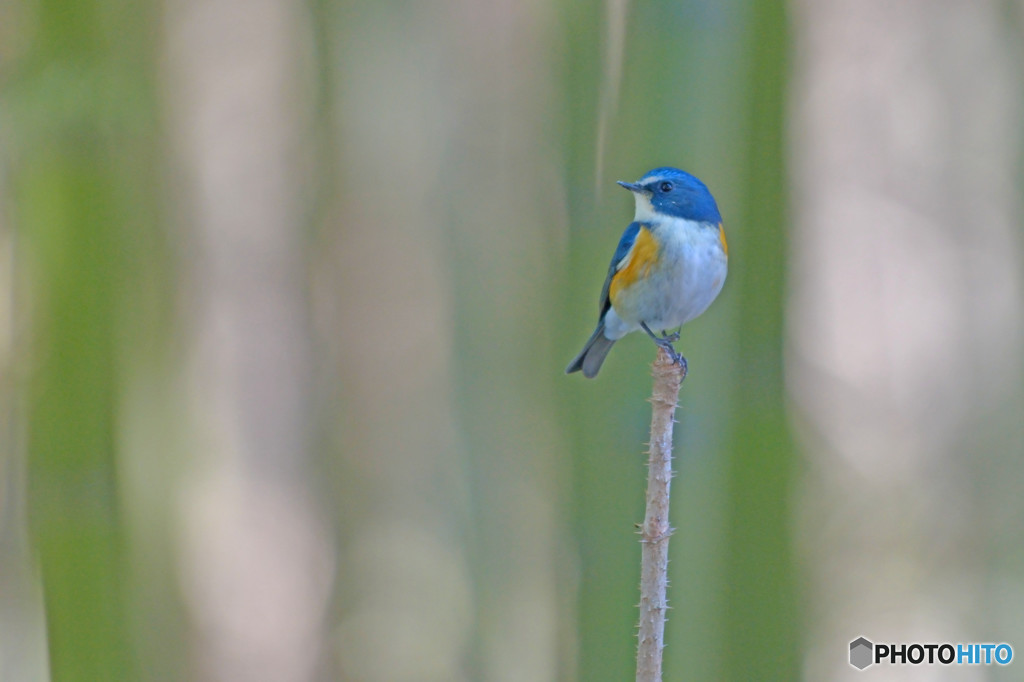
679	194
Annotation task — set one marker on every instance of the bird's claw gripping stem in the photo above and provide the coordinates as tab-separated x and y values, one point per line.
665	342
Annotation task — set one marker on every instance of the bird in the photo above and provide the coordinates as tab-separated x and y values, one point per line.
669	266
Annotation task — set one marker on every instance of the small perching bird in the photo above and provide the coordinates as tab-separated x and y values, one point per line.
669	266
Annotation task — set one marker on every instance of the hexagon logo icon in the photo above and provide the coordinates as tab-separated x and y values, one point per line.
860	653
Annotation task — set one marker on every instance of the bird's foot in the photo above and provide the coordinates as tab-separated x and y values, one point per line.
665	342
677	357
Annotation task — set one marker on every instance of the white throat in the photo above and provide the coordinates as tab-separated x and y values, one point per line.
644	209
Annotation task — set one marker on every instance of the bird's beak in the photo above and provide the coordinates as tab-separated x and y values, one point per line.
632	186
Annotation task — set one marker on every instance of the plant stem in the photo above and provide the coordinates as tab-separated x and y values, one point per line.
668	377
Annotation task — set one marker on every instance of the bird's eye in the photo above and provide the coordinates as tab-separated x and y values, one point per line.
666	187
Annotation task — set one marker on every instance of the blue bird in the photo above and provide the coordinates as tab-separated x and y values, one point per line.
669	266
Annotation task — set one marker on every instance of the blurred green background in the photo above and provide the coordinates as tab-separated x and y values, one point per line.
287	291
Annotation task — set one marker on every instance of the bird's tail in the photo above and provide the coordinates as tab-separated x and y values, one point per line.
593	354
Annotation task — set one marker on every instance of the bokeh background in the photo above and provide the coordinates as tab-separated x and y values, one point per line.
287	290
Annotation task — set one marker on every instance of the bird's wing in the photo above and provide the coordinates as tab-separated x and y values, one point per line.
621	251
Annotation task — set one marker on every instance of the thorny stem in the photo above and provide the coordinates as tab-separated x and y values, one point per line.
655	532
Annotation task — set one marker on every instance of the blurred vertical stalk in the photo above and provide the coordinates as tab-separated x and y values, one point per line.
75	519
23	640
257	559
76	185
761	618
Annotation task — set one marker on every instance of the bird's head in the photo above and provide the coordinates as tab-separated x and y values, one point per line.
675	193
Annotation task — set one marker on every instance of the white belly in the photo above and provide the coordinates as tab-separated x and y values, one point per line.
690	273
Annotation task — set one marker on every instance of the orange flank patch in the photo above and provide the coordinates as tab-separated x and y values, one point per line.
721	238
642	257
